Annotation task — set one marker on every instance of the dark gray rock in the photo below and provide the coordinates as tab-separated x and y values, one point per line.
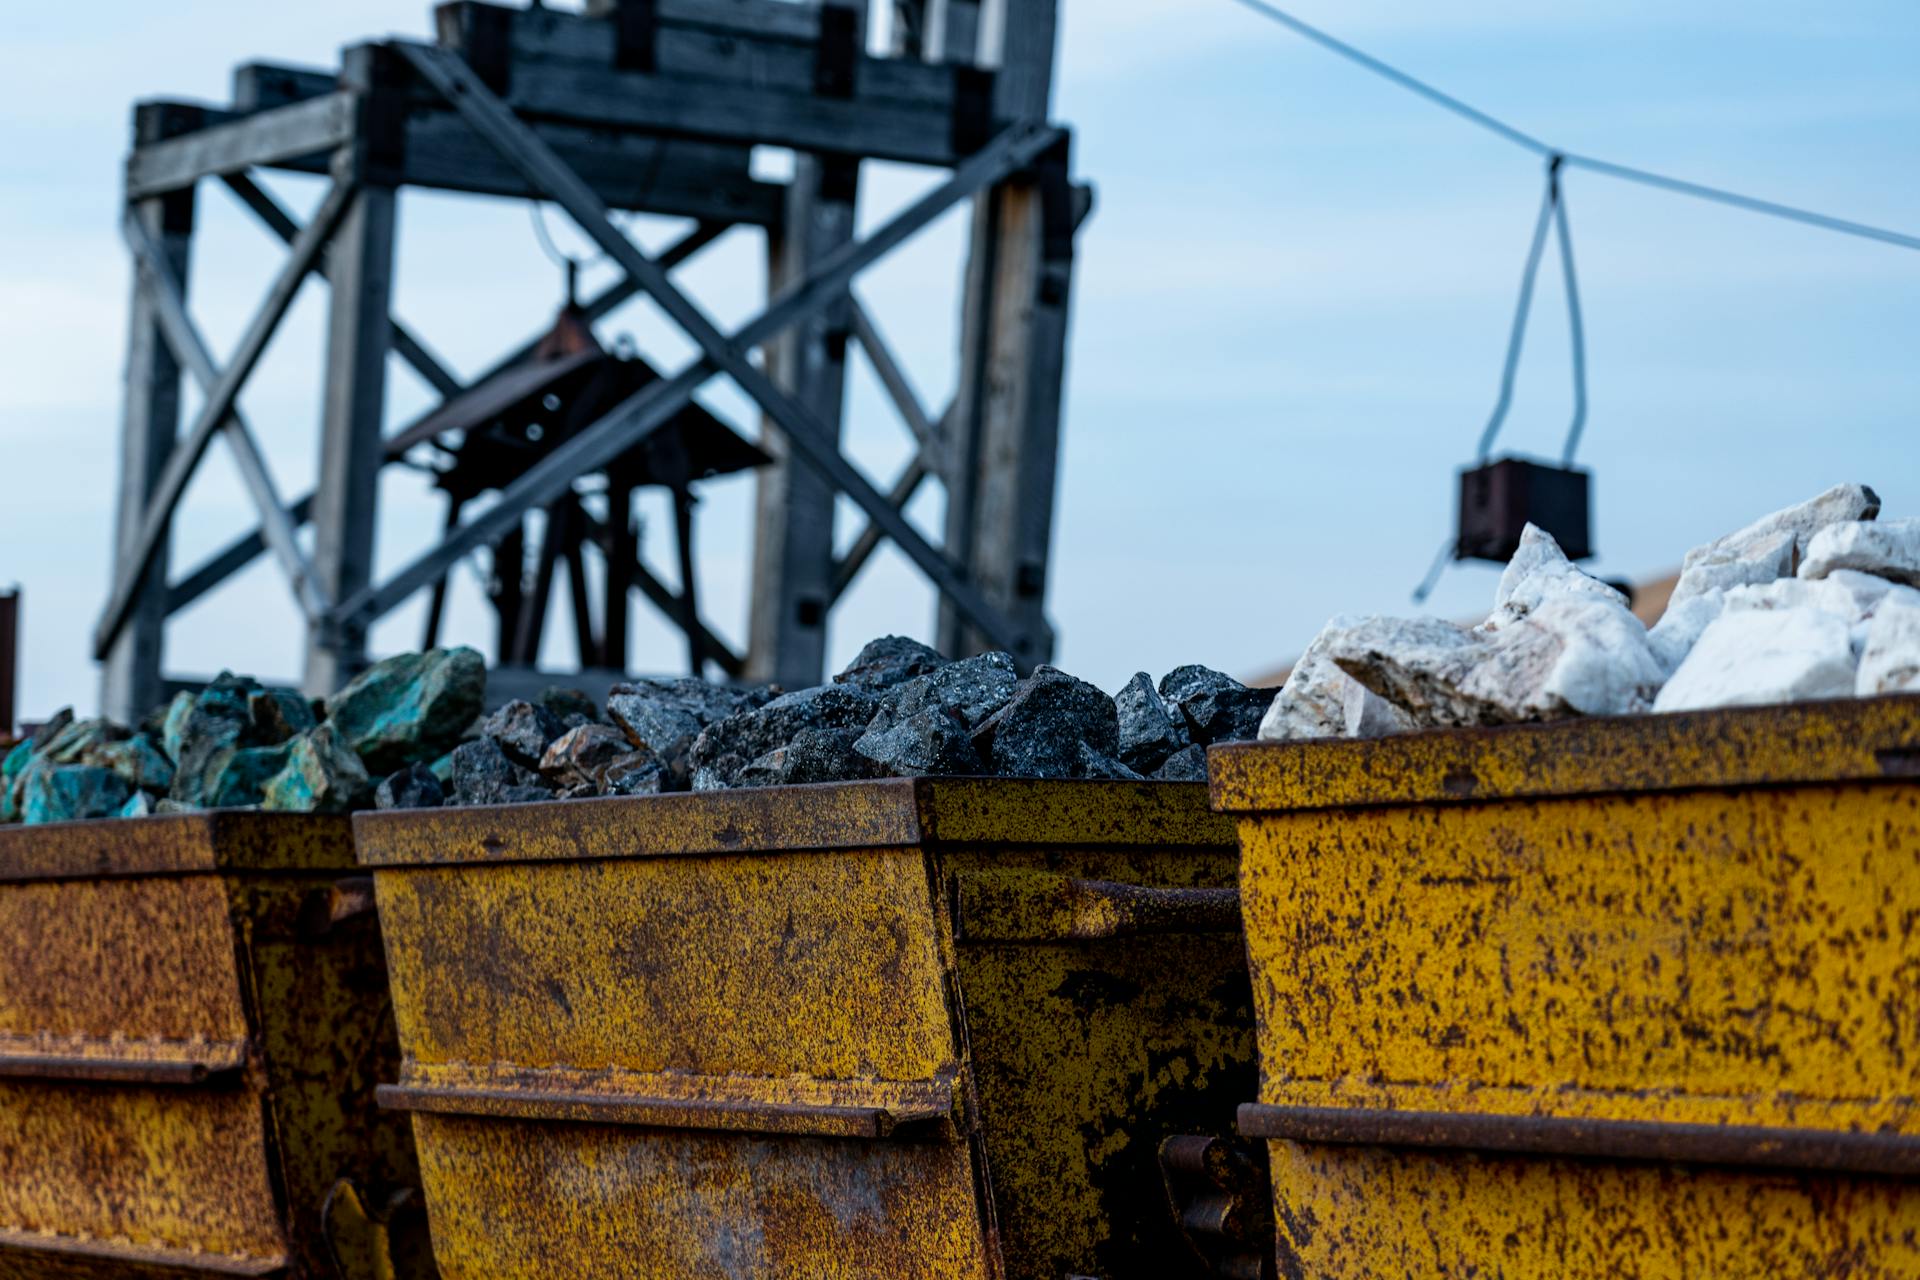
573	757
928	742
412	706
724	749
1189	764
524	731
69	792
667	716
827	755
1039	733
413	787
1150	730
1217	707
889	661
484	774
969	690
1097	764
637	773
570	707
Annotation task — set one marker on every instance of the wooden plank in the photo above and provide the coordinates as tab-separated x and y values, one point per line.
764	17
230	145
352	412
130	680
260	86
794	505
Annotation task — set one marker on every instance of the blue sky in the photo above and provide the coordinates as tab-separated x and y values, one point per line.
1291	307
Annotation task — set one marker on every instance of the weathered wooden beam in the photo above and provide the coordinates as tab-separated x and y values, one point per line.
720	84
130	677
794	504
299	130
219	402
673	177
848	567
260	86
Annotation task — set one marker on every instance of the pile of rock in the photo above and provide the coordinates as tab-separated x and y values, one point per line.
409	733
1817	601
235	744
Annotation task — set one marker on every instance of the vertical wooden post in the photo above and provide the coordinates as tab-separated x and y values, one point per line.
353	413
9	659
793	531
1004	435
130	678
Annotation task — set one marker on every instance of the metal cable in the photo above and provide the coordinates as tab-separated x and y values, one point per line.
1626	173
1576	327
1517	337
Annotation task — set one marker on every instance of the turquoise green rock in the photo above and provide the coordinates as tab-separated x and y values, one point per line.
322	776
238	777
442	771
410	707
140	805
138	759
206	736
72	743
67	792
174	723
277	715
10	770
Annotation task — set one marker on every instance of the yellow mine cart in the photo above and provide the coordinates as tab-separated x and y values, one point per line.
193	1018
887	1030
1633	997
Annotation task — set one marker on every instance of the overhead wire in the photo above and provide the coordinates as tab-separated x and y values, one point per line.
1626	173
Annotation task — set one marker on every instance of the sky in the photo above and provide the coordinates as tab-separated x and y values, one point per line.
1291	306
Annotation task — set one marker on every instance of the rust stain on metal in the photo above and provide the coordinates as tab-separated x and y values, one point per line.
740	1032
1674	943
186	1070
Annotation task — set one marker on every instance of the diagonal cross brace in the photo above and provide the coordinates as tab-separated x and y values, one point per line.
809	438
282	224
240	553
186	455
648	409
180	333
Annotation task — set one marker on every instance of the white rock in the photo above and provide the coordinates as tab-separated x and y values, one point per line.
1574	654
1371	716
1844	594
1679	628
1312	703
1765	558
1540	571
1753	656
1890	550
1890	661
1842	502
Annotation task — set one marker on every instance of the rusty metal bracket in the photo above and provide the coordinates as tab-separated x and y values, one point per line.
1221	1196
1731	1144
1038	906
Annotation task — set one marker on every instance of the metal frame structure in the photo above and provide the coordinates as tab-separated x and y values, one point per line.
651	105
